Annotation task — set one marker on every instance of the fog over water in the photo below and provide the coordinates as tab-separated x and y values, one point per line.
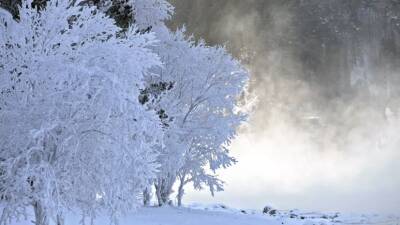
324	130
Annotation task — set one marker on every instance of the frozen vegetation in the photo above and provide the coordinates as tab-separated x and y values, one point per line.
103	107
100	103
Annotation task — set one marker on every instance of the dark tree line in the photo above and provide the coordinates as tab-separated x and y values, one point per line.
322	35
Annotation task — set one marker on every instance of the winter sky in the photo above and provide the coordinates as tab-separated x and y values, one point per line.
280	163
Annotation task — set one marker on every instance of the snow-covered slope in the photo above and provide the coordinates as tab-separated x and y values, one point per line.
222	215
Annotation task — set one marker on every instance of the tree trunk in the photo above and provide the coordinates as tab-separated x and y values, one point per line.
40	214
158	194
60	219
146	197
164	189
181	192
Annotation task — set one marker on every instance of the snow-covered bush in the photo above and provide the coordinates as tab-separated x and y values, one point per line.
73	134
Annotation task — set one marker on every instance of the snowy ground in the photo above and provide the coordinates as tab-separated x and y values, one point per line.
222	215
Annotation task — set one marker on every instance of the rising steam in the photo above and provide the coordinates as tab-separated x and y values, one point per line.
325	131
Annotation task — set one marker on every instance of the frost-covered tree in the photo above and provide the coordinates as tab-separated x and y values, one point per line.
195	96
199	111
72	134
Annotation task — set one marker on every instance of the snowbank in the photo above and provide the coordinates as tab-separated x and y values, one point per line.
219	214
